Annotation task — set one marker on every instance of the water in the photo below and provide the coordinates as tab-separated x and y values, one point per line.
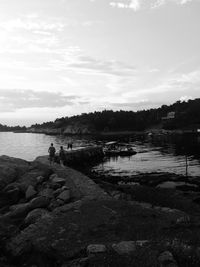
155	155
28	146
150	159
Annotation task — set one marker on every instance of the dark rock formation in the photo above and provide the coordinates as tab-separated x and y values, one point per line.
59	217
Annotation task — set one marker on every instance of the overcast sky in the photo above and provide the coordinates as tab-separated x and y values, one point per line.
65	57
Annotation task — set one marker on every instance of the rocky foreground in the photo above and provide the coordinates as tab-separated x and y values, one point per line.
57	216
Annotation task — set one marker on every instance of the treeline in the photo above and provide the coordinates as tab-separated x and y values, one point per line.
187	115
5	128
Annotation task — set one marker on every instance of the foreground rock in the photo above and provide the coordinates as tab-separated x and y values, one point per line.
60	217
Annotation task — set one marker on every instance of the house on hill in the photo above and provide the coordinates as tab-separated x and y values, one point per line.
170	116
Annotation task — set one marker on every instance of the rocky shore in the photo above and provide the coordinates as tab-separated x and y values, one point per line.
57	216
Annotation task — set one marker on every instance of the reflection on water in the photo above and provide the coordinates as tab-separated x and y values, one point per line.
163	154
158	154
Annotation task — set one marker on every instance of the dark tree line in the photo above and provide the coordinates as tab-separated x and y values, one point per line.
187	115
5	128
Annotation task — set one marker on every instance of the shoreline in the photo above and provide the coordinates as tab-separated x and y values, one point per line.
95	222
110	133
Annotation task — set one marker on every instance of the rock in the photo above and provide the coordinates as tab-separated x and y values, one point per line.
13	195
60	202
65	188
47	192
53	205
65	196
58	180
19	210
166	259
30	192
11	169
39	202
40	179
70	206
30	178
35	215
183	220
96	248
197	200
11	186
52	176
57	192
124	247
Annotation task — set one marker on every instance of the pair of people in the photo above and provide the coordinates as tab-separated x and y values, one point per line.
69	145
52	153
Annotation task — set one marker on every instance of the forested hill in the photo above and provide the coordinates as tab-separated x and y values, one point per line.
5	128
186	115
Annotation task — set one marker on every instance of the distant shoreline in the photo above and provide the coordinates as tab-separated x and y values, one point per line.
114	133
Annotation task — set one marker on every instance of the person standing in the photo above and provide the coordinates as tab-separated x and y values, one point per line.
62	156
52	152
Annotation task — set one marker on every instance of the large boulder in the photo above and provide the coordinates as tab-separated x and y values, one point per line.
40	179
58	180
11	169
47	192
30	192
166	259
65	196
39	202
124	247
29	178
13	195
35	215
96	248
18	211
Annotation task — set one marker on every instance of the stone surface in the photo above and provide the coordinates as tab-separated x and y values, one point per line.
19	210
65	196
35	215
53	176
47	192
39	202
58	180
124	247
40	179
30	192
60	202
11	169
57	192
166	259
96	248
13	195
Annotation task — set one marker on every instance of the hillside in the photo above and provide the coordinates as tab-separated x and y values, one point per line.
186	115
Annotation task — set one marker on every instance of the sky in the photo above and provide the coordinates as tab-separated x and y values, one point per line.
66	57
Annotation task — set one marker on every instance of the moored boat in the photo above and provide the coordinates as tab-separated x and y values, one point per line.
118	149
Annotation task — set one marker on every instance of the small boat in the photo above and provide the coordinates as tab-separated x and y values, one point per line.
118	149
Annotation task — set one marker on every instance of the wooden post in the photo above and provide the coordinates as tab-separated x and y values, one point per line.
186	166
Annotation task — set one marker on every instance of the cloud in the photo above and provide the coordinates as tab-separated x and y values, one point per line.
14	99
185	98
133	4
137	105
137	5
93	66
31	24
159	3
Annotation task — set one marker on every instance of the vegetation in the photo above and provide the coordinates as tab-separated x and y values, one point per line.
4	128
187	115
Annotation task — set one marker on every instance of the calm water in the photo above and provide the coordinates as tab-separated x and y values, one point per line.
153	155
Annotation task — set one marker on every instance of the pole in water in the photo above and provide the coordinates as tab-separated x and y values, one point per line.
186	166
